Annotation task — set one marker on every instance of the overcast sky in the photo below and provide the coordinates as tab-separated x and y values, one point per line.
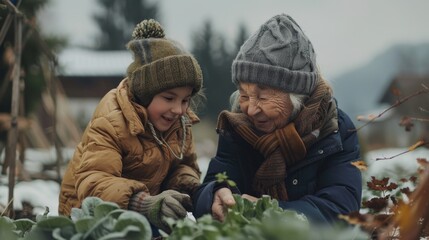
345	34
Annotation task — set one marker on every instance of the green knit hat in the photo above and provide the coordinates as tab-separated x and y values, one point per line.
159	64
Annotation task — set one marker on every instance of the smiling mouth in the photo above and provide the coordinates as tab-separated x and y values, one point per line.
169	119
260	122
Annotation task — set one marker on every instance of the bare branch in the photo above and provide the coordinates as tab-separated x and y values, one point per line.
397	103
12	8
7	207
423	110
410	149
420	119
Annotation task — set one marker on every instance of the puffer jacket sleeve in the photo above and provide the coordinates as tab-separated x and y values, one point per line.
185	175
224	161
100	169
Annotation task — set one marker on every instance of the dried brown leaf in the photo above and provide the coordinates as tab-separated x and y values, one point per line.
406	122
361	165
395	91
422	162
416	145
376	203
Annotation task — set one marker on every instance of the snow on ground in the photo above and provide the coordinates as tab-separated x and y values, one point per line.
35	159
41	193
398	167
402	166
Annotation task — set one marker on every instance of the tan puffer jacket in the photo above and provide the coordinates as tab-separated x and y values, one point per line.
118	157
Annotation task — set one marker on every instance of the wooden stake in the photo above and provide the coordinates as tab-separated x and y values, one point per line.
13	132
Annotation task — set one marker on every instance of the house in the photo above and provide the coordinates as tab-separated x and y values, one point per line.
87	75
400	99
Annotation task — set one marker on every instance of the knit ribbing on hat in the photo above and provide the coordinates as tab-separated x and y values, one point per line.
278	55
165	73
299	82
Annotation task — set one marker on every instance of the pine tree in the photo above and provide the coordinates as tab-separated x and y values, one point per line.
241	37
117	20
215	57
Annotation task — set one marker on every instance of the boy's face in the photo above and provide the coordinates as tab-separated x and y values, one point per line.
168	106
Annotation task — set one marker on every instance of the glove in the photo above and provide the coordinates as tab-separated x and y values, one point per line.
169	203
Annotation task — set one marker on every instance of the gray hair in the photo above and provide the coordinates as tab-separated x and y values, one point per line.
234	101
297	103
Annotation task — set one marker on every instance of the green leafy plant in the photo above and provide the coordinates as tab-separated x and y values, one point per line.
96	219
222	177
263	219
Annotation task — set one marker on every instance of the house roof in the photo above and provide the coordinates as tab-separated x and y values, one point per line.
403	86
84	62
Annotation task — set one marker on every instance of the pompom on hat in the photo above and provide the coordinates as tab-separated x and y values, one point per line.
278	55
159	64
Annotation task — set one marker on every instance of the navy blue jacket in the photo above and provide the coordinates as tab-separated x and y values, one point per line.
321	186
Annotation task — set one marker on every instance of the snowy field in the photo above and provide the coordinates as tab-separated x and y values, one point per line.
41	193
398	167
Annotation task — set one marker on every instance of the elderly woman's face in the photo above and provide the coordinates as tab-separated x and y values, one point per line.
267	108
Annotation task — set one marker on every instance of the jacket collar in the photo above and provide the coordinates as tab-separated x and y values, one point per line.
326	146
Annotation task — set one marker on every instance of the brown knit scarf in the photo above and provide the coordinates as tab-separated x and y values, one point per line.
285	147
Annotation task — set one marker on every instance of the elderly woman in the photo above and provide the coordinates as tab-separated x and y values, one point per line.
285	136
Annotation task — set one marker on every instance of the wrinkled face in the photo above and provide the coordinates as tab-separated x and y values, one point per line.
168	106
267	108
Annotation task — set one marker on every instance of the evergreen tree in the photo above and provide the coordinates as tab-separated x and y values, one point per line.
117	20
209	49
215	57
241	37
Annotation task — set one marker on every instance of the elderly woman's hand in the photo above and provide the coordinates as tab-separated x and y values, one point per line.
223	199
249	197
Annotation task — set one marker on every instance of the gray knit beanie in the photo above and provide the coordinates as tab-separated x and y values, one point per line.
159	64
278	55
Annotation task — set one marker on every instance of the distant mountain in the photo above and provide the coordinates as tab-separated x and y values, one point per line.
360	90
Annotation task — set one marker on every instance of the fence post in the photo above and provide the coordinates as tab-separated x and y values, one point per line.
13	131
